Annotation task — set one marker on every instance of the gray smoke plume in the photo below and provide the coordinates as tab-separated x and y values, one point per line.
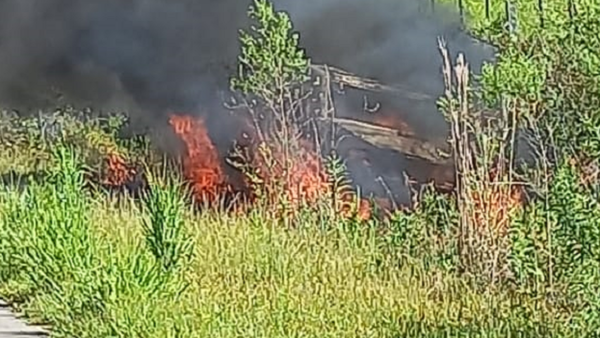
153	57
394	41
138	55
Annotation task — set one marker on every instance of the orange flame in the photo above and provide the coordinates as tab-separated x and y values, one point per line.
305	182
117	173
302	177
494	205
201	164
294	181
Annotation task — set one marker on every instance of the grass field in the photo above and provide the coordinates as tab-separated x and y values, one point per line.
90	263
83	265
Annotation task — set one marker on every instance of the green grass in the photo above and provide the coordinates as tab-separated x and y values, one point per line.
247	277
95	267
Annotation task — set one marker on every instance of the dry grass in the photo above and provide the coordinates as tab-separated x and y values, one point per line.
488	194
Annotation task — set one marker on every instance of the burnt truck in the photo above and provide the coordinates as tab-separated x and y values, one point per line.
385	148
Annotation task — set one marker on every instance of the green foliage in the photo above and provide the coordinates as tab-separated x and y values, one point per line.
571	92
337	173
514	75
28	141
576	215
104	281
555	246
559	232
165	206
271	60
554	71
66	274
57	211
428	232
340	183
530	258
47	229
272	71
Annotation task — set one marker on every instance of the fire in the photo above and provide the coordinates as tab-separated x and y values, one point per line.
117	172
201	163
302	182
494	205
293	179
349	206
296	178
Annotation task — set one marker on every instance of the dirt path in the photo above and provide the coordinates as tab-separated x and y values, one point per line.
11	327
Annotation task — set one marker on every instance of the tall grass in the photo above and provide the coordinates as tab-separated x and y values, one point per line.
118	268
50	245
66	275
165	206
488	196
246	276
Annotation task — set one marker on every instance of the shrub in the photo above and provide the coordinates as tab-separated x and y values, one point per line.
165	206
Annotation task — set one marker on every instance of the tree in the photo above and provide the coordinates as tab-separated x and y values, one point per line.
271	60
272	71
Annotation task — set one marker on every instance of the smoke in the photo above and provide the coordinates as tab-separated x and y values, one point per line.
152	57
394	41
141	55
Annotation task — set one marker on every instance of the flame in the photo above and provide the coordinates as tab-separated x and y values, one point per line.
303	178
293	179
117	172
494	205
304	181
299	179
201	163
350	207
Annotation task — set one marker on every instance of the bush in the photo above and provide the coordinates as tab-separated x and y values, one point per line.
46	231
165	206
69	276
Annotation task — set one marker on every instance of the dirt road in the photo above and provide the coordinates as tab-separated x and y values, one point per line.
11	327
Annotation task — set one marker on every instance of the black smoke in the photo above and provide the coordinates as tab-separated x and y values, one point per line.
394	41
153	57
143	56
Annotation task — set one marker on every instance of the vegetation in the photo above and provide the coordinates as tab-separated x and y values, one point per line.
477	264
